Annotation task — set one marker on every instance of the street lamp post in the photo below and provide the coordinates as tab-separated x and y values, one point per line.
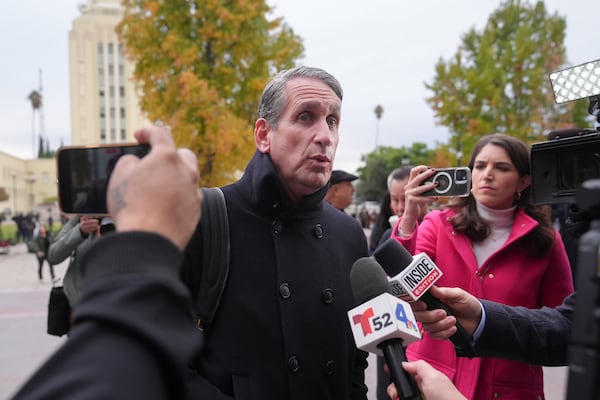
14	179
30	179
405	161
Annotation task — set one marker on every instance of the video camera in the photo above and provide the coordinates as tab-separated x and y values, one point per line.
566	170
570	156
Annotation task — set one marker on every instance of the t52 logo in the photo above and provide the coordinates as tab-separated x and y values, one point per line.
371	323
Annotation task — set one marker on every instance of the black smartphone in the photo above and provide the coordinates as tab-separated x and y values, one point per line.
452	182
83	174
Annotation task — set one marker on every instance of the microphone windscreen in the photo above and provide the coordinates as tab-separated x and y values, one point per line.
368	280
392	256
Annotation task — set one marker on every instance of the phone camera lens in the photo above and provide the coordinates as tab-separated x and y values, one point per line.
444	182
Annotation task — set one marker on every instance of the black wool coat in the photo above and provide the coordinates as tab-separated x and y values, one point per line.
281	330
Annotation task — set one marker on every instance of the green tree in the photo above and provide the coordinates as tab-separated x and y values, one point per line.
497	80
201	67
41	151
379	163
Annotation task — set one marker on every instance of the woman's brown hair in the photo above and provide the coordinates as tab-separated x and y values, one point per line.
468	220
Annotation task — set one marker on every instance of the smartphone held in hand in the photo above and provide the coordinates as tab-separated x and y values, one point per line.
83	174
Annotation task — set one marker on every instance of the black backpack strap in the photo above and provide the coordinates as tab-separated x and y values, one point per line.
215	263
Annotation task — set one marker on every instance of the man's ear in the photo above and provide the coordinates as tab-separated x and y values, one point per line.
261	135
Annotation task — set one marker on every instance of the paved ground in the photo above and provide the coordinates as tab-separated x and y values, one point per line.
24	343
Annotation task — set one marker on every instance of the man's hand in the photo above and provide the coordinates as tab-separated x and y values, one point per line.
463	305
158	193
432	383
88	224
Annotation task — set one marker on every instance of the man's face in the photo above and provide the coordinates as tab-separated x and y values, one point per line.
303	145
341	194
397	196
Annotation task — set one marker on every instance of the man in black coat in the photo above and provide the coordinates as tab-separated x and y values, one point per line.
281	330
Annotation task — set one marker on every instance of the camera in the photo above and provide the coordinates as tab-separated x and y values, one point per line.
451	182
561	164
566	169
83	174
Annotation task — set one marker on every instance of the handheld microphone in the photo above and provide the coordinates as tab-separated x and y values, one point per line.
382	323
416	275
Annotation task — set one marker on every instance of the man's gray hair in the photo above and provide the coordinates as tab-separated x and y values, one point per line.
274	97
399	174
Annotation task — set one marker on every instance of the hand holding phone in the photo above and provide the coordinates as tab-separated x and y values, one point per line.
451	182
158	193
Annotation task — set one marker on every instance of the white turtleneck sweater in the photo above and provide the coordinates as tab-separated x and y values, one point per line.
500	222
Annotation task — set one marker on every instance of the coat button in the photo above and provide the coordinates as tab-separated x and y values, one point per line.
496	395
318	231
327	296
276	227
491	276
284	291
293	364
330	368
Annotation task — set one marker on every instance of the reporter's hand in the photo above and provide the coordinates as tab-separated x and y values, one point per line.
415	206
158	193
463	305
433	384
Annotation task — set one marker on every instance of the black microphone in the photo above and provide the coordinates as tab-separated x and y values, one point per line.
382	323
416	275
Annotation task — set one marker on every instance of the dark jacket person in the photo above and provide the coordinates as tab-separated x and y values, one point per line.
281	330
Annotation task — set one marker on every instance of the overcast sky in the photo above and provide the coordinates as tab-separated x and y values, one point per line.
381	51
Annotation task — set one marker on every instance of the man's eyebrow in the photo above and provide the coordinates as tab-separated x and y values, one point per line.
335	109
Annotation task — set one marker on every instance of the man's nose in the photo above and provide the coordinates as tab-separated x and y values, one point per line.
324	135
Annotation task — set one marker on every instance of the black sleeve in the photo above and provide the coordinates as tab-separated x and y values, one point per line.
535	336
133	332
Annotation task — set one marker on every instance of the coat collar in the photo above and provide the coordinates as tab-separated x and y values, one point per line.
523	224
262	187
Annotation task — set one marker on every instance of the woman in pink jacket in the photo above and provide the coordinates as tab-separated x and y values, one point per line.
496	245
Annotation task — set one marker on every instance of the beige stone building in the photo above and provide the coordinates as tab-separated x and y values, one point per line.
30	185
104	105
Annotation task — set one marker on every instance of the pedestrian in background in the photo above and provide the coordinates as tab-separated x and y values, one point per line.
341	190
40	245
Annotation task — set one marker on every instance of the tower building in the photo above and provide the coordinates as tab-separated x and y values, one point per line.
104	103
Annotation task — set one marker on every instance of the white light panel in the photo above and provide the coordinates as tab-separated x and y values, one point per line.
576	82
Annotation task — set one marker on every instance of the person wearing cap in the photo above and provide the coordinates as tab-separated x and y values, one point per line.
341	189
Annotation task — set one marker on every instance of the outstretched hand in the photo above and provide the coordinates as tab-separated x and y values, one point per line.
158	193
464	307
433	384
